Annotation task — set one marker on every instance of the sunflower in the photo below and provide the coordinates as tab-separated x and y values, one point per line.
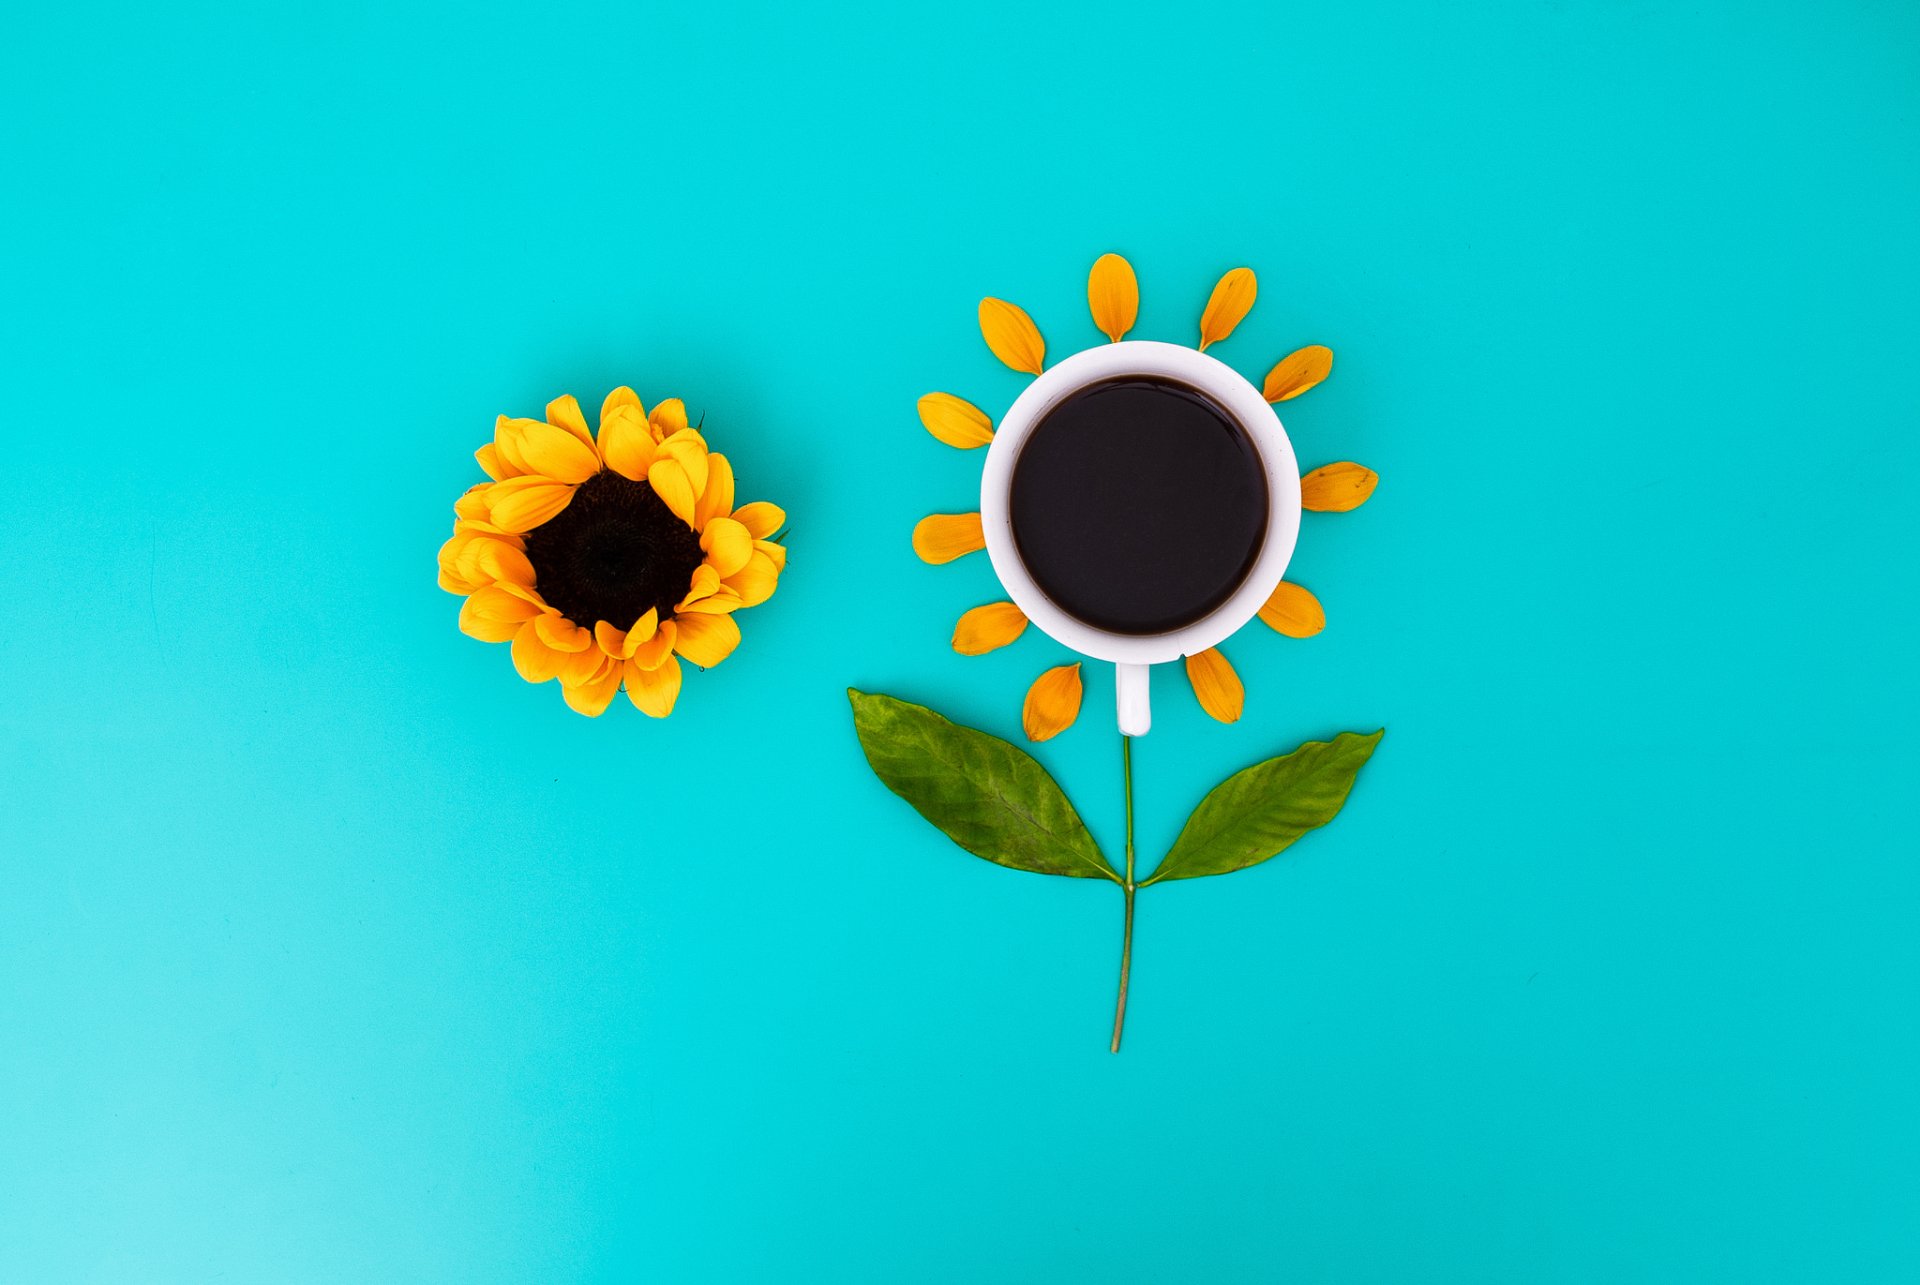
1113	294
606	559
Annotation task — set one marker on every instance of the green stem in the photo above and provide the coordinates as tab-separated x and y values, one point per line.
1127	889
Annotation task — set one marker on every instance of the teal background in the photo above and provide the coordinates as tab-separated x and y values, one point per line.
330	951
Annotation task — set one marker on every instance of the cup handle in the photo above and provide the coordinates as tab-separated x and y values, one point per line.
1130	697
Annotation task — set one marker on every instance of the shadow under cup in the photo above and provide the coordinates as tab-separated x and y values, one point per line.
1138	505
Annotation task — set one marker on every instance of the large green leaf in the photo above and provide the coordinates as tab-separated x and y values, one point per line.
1258	813
989	797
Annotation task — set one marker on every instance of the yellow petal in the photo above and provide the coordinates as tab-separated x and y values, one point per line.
1053	702
619	397
537	662
556	453
760	518
727	545
1217	686
687	447
1231	299
704	582
955	421
493	615
942	537
495	603
491	463
625	444
485	559
1010	332
986	628
706	640
520	504
611	639
668	418
1334	488
592	695
778	552
561	634
717	500
476	503
506	439
722	601
1297	372
1293	611
643	631
670	483
1113	292
653	691
523	593
575	667
564	412
657	650
755	582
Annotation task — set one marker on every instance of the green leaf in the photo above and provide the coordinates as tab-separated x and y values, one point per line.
989	797
1258	813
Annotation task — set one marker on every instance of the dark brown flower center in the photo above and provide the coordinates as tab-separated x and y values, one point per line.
614	552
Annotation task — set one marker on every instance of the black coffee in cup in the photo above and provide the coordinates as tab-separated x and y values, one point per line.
1138	505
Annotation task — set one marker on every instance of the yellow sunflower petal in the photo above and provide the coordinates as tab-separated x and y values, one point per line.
755	582
1053	702
668	418
625	444
493	615
942	537
760	518
1293	611
984	629
705	581
1297	372
537	662
1227	307
722	601
728	546
690	451
1217	686
592	695
643	631
520	504
956	421
575	667
612	639
1010	332
564	412
653	691
619	397
506	441
523	593
561	634
657	650
476	503
717	500
557	453
778	552
1113	292
670	483
706	640
485	559
1334	488
491	463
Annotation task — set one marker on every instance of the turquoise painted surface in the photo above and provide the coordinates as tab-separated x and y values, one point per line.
330	951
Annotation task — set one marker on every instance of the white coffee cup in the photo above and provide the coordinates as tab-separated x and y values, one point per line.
1131	654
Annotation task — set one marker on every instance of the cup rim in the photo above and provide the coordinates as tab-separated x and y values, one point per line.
1166	361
